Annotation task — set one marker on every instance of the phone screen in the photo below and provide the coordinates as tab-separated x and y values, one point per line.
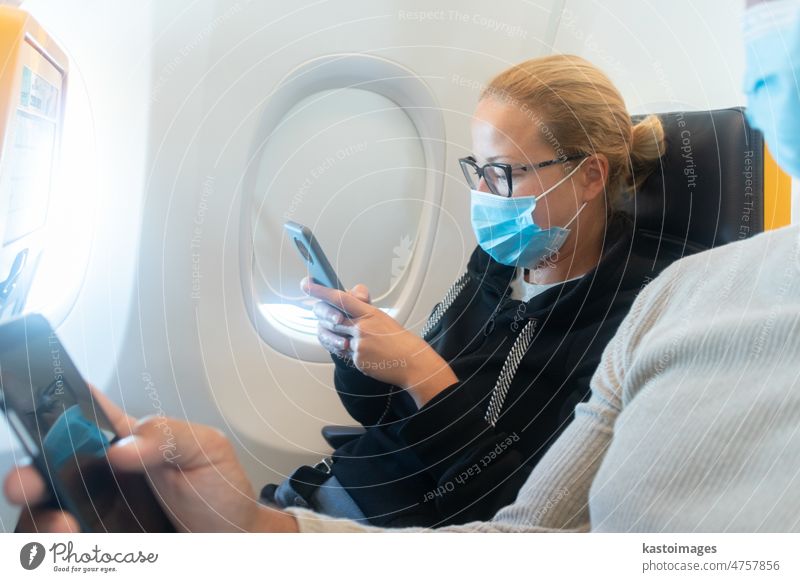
66	432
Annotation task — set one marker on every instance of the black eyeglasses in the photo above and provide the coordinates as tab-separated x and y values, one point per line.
498	175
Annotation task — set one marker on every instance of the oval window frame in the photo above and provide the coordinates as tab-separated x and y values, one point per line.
411	94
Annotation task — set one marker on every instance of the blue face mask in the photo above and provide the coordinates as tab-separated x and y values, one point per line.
772	78
505	228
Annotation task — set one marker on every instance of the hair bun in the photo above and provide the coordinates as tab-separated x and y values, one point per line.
647	147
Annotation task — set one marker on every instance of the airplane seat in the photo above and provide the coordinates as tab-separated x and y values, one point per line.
710	188
709	191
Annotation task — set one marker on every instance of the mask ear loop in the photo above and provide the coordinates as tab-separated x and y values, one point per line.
561	181
576	215
557	184
582	205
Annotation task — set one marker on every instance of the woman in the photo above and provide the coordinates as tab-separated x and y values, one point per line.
456	419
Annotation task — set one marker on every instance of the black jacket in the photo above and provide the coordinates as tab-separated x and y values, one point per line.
445	463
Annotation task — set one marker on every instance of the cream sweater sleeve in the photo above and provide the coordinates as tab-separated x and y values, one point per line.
556	496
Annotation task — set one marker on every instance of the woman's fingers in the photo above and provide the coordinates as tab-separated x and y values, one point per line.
345	302
346	329
332	342
327	312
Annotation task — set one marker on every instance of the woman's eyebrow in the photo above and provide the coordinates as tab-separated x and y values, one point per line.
502	158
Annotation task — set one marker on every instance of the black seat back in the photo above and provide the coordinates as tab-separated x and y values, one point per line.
709	188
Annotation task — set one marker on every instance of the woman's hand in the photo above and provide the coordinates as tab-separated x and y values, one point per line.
349	326
329	316
200	482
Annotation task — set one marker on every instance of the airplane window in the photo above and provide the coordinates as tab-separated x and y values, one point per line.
349	164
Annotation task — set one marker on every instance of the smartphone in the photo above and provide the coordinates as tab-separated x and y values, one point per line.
66	433
319	269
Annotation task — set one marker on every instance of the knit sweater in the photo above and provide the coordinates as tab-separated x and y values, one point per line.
693	423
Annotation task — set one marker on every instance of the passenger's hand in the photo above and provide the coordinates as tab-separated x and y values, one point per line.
192	469
328	316
382	348
24	486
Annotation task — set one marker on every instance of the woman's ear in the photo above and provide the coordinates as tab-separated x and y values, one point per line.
594	176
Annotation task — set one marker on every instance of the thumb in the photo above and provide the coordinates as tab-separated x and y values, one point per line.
361	292
158	440
119	419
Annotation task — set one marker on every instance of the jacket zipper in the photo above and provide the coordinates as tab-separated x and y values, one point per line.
507	372
511	364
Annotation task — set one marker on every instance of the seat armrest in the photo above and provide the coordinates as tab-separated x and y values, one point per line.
336	436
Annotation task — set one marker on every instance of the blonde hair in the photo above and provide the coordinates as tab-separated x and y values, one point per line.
579	110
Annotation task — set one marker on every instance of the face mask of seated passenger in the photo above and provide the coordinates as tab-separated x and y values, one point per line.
772	78
505	228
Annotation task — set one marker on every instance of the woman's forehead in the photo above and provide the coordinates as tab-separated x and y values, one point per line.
491	142
505	122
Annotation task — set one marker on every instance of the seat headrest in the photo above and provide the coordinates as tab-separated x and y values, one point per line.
708	189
